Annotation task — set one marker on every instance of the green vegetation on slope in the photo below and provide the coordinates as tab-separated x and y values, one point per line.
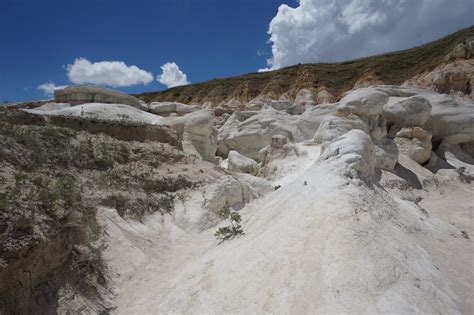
390	68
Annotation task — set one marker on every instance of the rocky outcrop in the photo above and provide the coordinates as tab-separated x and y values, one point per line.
121	130
168	108
199	136
305	98
363	102
308	123
324	96
249	135
367	80
463	50
335	126
286	106
355	151
239	163
450	121
446	78
232	192
407	112
81	94
415	143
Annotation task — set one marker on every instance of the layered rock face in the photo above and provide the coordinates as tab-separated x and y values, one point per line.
82	94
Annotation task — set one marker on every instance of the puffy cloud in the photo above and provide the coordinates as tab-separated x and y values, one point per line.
49	87
172	75
335	30
111	73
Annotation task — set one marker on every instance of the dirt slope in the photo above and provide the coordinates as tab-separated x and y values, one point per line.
337	78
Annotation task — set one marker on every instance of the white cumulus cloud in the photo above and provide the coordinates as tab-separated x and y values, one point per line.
49	87
111	73
335	30
172	75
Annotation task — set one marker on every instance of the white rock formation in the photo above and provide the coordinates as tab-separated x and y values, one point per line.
168	108
356	150
450	121
363	102
335	126
103	111
407	112
239	163
198	133
415	143
308	123
249	135
333	238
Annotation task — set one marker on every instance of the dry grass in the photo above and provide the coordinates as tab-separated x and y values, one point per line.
390	68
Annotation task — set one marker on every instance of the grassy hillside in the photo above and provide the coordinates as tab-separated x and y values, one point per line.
390	68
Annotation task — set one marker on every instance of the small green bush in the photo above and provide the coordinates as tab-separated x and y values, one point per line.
232	230
463	176
166	203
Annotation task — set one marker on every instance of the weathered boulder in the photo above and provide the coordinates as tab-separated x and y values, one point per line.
240	163
450	121
407	112
198	133
363	102
337	125
251	135
308	123
168	108
353	154
81	94
415	143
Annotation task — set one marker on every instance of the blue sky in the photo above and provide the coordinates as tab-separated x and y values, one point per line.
206	39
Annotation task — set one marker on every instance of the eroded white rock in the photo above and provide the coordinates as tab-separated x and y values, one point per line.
407	112
415	143
363	102
240	163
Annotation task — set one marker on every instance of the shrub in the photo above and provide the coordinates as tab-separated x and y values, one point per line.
166	203
463	176
232	230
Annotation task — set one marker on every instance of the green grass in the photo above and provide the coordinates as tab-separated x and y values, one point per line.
391	68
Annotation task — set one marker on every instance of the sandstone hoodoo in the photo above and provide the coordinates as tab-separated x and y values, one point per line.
342	196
